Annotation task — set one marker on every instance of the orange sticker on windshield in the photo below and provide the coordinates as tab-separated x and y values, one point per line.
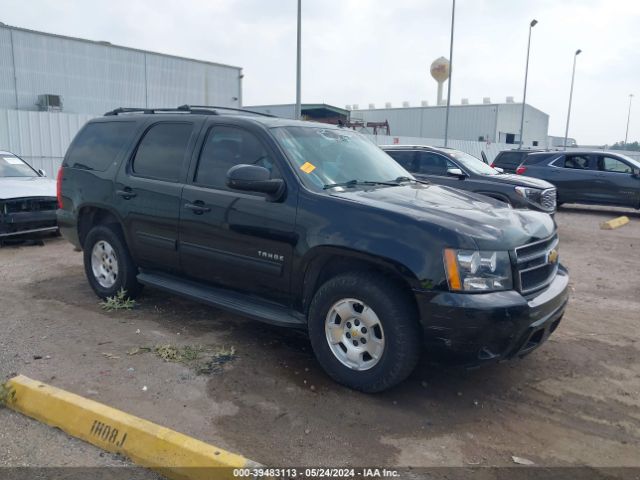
308	167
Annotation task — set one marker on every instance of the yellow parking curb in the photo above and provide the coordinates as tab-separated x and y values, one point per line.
170	453
614	223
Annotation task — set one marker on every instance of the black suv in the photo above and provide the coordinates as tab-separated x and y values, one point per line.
313	226
510	160
446	166
588	176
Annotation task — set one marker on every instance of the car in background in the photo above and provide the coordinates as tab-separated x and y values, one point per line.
510	160
453	168
586	176
27	199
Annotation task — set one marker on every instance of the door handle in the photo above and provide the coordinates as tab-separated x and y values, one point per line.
198	207
126	193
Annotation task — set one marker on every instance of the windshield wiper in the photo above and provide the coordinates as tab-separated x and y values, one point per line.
354	183
409	179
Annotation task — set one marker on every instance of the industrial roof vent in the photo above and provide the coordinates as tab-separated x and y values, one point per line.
372	106
486	100
465	101
509	99
355	106
405	104
424	103
49	102
387	105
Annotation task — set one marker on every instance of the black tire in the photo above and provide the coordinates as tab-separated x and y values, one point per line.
126	268
397	315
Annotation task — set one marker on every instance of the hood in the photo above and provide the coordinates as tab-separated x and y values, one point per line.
18	187
490	223
521	180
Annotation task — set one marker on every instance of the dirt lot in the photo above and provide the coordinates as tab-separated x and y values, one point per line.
575	401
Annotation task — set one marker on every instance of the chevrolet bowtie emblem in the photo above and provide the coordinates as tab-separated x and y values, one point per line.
552	256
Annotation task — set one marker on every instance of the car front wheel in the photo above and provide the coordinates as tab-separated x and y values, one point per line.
364	331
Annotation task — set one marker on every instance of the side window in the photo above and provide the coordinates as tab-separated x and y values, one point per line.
98	144
579	162
432	164
404	158
610	164
161	151
226	147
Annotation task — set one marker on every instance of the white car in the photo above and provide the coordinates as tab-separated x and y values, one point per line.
27	199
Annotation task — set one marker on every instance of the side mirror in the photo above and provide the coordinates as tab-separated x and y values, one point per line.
42	173
498	169
253	178
456	172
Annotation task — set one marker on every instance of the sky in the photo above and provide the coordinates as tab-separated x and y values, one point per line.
377	51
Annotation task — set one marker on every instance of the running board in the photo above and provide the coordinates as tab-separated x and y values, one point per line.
225	299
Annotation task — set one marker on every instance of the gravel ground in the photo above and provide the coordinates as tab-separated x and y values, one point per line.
573	402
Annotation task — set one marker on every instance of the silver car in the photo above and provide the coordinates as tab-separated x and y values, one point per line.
27	199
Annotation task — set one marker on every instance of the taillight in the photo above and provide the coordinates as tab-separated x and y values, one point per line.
59	188
493	165
521	169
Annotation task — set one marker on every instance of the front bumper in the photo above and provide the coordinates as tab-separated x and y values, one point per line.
25	223
493	326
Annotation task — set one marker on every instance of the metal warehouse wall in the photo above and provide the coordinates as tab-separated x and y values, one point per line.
94	77
466	122
41	138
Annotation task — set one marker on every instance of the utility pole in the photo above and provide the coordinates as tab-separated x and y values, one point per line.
446	121
526	75
298	112
573	76
626	135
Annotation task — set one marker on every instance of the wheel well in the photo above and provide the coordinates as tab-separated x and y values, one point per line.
88	217
326	267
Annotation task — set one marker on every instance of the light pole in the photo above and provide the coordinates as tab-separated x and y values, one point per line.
573	76
298	112
446	120
526	75
626	135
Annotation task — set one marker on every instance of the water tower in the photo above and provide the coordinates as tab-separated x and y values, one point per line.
440	72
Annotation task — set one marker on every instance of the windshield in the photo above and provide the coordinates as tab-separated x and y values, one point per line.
472	163
12	166
328	156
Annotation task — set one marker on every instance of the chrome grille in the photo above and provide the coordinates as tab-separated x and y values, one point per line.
535	264
548	199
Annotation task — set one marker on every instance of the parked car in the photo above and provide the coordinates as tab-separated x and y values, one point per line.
446	166
586	176
510	160
310	226
27	199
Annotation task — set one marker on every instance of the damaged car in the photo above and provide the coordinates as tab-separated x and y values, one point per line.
27	199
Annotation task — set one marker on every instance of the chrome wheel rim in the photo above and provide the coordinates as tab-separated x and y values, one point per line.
104	264
354	334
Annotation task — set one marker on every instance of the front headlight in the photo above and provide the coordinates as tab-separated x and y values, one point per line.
476	271
532	194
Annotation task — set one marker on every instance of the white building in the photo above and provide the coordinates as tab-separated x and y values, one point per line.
486	122
50	85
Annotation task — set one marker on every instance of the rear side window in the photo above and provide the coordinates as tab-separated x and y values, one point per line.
578	162
509	159
98	145
162	150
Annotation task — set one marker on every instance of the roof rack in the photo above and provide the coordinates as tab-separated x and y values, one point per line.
185	109
213	109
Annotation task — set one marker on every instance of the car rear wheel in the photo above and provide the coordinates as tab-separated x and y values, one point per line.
108	264
364	331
